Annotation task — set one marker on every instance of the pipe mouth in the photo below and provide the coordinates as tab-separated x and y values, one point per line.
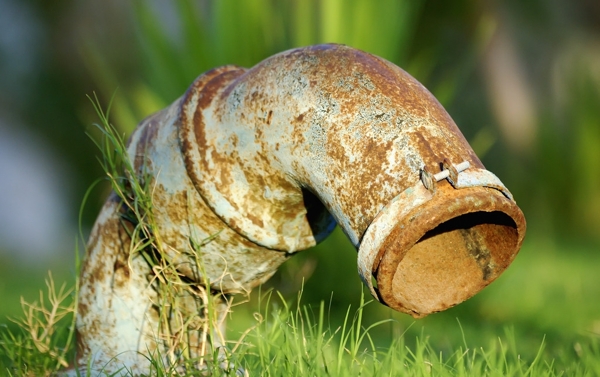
447	249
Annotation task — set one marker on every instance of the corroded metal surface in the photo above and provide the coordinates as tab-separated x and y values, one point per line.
114	315
256	164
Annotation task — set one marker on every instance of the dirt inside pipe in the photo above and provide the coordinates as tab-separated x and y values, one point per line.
453	256
452	262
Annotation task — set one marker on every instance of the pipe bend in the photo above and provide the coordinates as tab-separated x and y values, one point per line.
348	126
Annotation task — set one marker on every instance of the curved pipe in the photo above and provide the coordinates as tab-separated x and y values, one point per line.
269	159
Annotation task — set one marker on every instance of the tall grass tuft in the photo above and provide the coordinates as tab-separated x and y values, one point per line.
190	313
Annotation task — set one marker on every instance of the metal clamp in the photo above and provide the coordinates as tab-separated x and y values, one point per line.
449	172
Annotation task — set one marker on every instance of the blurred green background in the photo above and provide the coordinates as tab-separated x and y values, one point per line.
521	80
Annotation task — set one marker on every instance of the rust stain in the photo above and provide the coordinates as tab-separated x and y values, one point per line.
252	165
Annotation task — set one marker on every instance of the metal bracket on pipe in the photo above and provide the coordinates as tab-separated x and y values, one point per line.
459	177
449	172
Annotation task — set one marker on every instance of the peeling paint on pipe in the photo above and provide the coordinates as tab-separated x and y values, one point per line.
269	159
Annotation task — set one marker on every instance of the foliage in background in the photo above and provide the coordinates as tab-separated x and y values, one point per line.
567	162
150	52
178	42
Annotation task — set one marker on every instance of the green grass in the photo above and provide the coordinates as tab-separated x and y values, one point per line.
300	341
277	336
543	309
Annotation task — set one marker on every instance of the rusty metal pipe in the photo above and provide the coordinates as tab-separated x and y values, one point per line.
269	159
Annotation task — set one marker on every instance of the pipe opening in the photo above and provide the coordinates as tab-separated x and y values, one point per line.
320	220
454	261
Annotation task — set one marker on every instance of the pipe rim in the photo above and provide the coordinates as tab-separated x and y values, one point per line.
397	250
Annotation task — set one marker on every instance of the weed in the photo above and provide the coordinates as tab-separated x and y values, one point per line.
40	348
